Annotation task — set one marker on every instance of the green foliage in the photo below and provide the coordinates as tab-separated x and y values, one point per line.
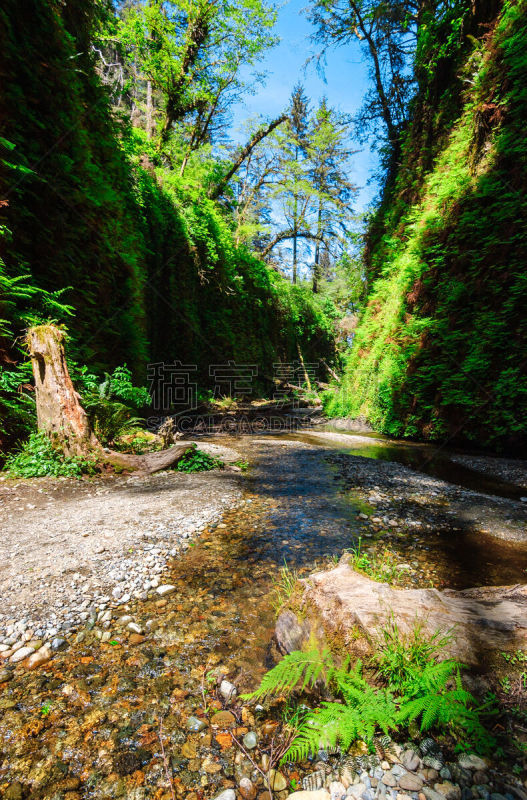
362	712
399	655
151	260
109	416
420	689
37	458
283	587
295	670
440	349
381	566
198	461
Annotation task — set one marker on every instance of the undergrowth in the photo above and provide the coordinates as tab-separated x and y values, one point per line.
37	458
419	689
381	566
197	461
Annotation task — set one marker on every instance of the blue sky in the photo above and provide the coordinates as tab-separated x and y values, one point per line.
345	85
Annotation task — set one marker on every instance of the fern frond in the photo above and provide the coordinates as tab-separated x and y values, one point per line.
337	724
295	669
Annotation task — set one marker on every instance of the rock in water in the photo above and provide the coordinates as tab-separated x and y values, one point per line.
195	725
42	656
228	794
247	789
228	691
250	740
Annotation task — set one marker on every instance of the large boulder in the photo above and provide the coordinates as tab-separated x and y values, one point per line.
341	601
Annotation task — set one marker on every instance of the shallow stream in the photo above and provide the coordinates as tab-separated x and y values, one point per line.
91	722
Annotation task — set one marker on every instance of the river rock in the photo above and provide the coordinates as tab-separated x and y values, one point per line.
486	619
448	790
411	782
21	654
277	782
195	725
5	675
163	590
228	794
337	790
411	760
318	794
247	789
472	761
250	740
228	691
58	643
39	658
223	719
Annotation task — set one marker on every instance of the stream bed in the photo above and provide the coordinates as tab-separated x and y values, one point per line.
134	716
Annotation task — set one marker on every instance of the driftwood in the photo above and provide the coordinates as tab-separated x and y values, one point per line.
61	417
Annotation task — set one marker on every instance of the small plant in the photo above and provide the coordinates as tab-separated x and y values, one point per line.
112	404
243	465
400	655
429	693
518	657
45	710
37	458
283	587
197	461
381	567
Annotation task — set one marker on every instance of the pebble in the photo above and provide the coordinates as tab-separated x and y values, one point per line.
471	761
277	782
411	760
356	790
448	790
411	782
223	719
164	590
247	789
134	627
250	740
21	654
195	725
318	794
228	691
337	790
42	656
5	675
228	794
58	643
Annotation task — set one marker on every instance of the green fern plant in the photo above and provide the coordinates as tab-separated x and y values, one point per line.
297	670
431	693
364	711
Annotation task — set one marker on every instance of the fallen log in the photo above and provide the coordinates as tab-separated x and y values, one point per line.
483	622
61	417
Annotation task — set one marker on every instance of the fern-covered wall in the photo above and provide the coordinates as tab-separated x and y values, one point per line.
441	350
153	271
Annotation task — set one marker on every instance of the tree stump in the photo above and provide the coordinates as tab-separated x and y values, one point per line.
62	418
59	412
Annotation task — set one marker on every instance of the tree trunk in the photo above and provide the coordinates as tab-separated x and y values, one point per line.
62	418
149	111
59	412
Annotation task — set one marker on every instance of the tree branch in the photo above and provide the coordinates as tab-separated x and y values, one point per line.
217	190
290	234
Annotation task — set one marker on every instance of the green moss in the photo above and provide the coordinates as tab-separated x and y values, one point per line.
440	349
